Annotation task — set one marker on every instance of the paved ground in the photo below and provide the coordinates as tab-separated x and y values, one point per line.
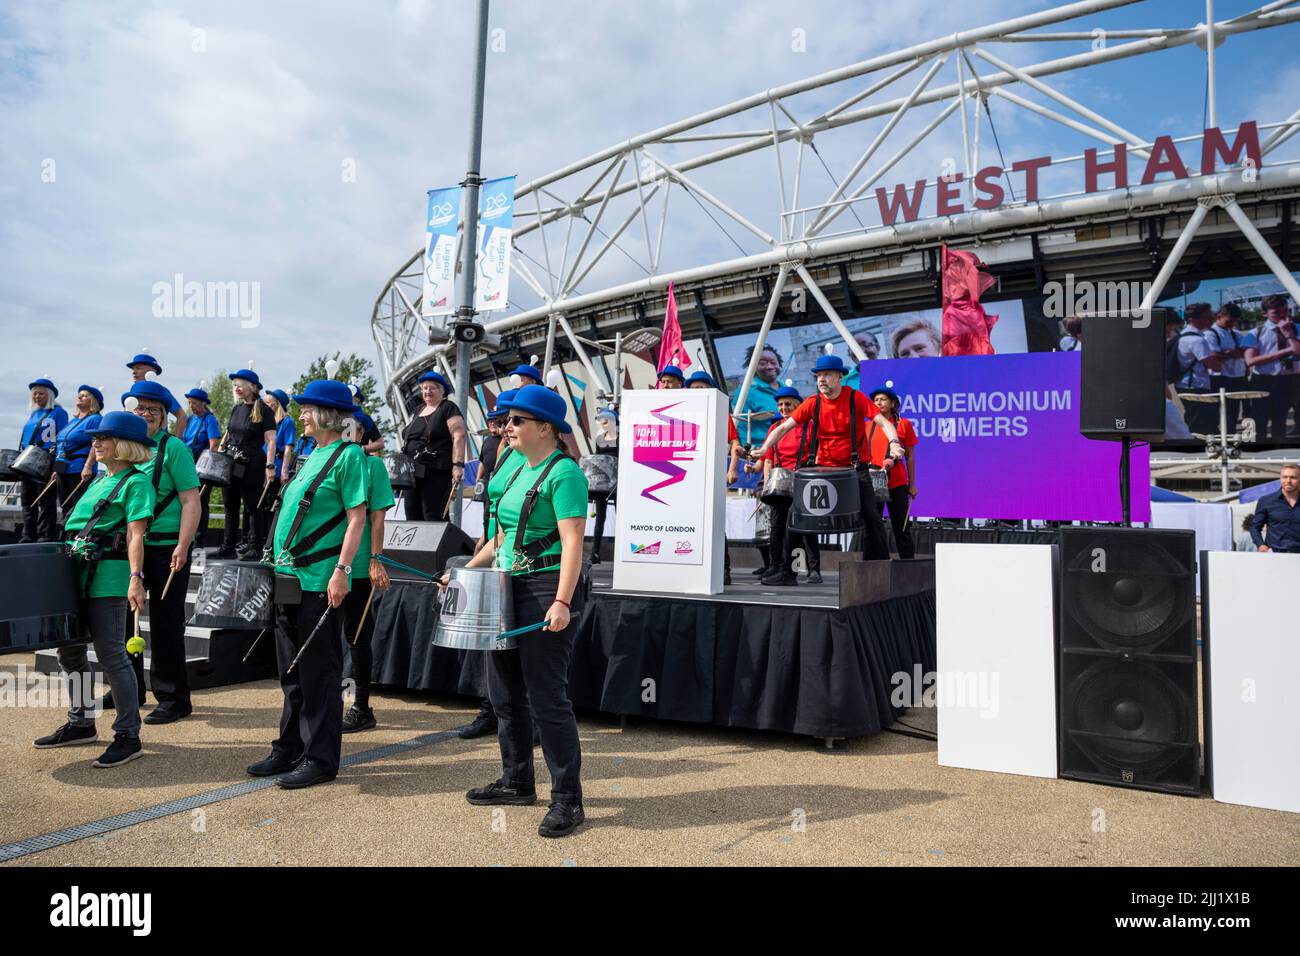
657	793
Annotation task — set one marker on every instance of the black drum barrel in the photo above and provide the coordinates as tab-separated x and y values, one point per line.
235	595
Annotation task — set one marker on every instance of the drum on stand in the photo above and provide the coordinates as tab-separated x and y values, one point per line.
601	472
215	467
235	595
475	609
34	462
778	487
401	471
826	501
7	456
39	586
764	514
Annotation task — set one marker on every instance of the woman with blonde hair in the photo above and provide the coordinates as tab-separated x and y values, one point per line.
105	534
74	462
250	440
46	419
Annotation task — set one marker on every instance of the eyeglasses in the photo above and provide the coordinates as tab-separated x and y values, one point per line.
518	420
151	411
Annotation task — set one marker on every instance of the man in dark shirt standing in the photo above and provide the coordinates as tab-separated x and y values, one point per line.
1280	515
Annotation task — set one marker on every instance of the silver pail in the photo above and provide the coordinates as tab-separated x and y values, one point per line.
476	608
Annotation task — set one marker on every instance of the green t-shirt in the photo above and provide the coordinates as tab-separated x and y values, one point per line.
507	463
177	474
562	495
346	485
133	502
380	499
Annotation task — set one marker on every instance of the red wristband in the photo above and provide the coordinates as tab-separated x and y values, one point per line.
565	603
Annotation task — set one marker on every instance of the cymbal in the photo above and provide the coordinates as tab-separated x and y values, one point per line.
1243	396
1197	397
756	416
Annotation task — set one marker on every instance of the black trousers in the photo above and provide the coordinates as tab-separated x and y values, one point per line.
784	541
875	543
900	502
167	676
602	505
39	517
1202	417
1229	383
68	482
243	494
311	723
531	684
427	501
354	605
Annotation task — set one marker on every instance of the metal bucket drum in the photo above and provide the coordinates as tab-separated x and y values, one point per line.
879	482
235	595
214	467
763	517
401	470
826	501
38	597
34	462
601	472
7	456
779	486
475	609
298	464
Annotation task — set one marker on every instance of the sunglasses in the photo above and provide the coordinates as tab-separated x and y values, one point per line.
518	420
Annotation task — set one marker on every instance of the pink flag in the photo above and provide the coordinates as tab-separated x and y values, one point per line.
671	349
966	324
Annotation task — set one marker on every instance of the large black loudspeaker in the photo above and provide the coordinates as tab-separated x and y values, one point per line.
1127	678
1122	387
425	546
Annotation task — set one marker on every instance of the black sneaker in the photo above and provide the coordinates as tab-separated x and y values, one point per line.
122	750
761	572
67	736
306	774
781	579
814	577
272	765
481	726
358	718
167	715
561	820
498	794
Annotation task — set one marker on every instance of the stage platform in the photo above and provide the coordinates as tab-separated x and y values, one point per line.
815	660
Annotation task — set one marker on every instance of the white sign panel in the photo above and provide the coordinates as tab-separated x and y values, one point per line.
440	251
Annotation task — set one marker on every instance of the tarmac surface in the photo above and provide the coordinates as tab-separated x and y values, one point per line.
656	793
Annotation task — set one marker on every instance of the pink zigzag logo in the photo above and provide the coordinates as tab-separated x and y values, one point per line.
661	446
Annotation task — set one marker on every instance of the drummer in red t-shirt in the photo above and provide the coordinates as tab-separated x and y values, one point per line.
902	476
785	454
834	407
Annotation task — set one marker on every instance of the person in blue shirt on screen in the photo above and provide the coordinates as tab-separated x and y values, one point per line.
73	461
871	347
761	398
42	428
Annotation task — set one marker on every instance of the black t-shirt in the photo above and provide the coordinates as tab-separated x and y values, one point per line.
487	455
430	433
247	435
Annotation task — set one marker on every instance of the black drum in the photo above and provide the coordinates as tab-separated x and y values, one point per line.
34	462
826	501
235	595
38	597
601	472
215	467
779	486
7	456
401	471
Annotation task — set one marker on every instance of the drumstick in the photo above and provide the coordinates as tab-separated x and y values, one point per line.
48	485
72	497
447	506
170	575
260	635
314	630
265	488
362	622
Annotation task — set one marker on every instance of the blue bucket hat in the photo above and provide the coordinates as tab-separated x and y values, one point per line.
123	425
199	396
327	393
503	403
674	372
155	391
540	402
789	391
248	375
432	376
95	393
143	359
365	421
44	383
281	396
883	390
530	371
608	412
700	376
830	363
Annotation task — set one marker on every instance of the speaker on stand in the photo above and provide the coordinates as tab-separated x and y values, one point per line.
1127	676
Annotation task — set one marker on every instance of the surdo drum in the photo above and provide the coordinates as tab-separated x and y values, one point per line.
601	472
826	501
235	595
38	597
474	610
214	467
34	462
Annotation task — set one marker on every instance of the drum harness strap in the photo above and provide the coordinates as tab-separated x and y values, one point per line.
816	423
112	540
159	462
528	557
296	555
36	436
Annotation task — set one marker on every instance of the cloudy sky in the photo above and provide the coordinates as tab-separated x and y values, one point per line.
288	146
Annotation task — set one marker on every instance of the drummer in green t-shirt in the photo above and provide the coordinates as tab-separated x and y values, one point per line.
368	576
176	512
106	538
539	520
317	535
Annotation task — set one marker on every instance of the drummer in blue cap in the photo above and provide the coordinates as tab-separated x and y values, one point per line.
141	365
318	533
167	545
537	538
670	376
74	461
105	535
46	419
286	435
435	439
202	433
527	374
250	440
372	440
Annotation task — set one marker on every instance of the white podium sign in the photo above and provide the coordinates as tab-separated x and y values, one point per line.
670	524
